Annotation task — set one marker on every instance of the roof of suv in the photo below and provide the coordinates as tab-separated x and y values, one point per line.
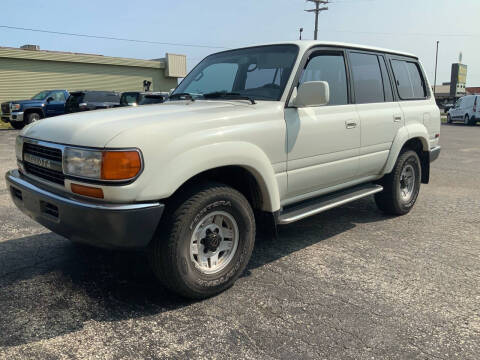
306	44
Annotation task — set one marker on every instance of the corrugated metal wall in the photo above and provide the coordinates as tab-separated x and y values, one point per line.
23	78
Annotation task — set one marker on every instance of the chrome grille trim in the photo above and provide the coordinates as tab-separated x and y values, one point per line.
52	153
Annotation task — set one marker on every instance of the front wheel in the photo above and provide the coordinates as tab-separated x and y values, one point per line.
466	120
17	125
204	242
401	186
32	117
449	119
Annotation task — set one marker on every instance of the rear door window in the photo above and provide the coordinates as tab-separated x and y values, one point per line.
367	78
409	80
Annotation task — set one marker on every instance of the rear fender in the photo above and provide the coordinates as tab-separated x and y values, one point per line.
406	133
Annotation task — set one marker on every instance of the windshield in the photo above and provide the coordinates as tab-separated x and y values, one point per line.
259	73
41	95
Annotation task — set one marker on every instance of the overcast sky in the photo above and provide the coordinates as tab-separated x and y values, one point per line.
408	25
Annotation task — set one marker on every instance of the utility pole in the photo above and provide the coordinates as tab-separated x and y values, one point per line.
301	30
317	10
435	81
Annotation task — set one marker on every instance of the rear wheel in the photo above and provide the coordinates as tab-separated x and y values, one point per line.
401	186
204	242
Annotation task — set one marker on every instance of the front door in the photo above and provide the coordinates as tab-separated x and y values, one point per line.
56	106
323	142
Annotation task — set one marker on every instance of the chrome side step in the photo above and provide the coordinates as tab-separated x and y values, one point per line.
315	206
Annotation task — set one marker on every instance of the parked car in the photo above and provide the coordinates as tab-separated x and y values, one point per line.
44	104
466	109
91	100
135	98
252	138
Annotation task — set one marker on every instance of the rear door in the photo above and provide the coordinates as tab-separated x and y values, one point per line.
380	116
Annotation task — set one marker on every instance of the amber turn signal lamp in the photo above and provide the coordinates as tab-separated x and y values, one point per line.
120	165
87	191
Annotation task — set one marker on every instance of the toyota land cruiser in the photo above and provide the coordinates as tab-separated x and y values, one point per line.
259	135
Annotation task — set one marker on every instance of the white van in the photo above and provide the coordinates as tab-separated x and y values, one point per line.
466	109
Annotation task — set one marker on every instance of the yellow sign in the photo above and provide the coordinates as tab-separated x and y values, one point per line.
462	74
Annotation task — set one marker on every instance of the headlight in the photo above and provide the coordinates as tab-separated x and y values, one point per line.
83	163
102	165
19	147
15	107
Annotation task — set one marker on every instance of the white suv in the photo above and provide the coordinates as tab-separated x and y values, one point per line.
466	109
253	137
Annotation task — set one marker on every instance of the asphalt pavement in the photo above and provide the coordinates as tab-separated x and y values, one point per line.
350	283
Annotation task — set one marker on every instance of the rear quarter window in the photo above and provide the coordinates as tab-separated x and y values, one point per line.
409	80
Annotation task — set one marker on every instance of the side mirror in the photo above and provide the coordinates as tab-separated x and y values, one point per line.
49	99
312	93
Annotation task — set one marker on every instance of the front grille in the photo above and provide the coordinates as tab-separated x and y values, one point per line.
46	153
43	151
44	173
6	108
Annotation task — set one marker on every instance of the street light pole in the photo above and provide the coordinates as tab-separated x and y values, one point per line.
317	10
435	81
301	30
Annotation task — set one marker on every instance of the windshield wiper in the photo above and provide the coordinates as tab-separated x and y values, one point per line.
182	96
228	95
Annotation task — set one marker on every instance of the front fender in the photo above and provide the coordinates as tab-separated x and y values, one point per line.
30	109
182	167
415	130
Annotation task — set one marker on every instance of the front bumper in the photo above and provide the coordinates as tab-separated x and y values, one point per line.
434	153
13	116
94	223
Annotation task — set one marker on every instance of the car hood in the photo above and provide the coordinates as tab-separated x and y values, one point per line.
22	102
97	128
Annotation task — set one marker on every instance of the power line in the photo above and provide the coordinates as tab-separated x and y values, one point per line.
110	38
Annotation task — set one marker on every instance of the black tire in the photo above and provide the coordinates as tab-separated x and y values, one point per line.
449	119
17	125
32	117
390	200
472	121
170	252
466	120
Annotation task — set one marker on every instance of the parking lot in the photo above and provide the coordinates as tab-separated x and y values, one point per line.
348	283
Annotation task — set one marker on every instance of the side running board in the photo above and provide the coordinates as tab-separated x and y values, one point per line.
317	205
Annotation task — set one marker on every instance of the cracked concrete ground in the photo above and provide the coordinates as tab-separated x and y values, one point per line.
350	283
